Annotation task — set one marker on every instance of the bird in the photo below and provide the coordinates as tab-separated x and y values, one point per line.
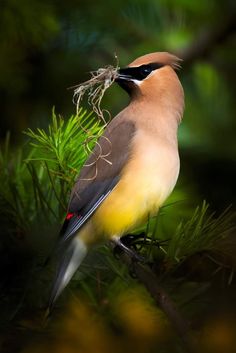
133	167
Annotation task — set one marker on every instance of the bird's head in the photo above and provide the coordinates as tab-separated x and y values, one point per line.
146	70
153	77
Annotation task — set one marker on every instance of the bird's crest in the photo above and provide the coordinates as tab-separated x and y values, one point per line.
162	58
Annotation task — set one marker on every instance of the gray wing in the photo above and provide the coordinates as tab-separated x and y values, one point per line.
99	175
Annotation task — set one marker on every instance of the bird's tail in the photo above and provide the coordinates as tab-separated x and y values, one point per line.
72	258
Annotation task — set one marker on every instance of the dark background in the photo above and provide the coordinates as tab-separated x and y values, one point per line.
47	47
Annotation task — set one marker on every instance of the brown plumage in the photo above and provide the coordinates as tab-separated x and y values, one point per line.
134	165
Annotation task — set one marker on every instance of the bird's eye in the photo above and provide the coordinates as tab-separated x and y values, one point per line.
145	70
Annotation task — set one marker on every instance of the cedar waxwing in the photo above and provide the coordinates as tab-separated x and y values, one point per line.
133	167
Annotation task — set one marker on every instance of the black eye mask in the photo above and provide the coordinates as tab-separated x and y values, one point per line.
140	72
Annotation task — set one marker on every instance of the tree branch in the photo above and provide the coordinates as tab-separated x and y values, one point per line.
162	299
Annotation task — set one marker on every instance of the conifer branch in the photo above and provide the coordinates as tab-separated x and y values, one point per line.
163	300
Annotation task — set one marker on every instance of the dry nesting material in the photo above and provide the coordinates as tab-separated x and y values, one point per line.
95	88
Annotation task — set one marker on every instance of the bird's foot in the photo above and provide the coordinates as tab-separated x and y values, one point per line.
140	240
121	245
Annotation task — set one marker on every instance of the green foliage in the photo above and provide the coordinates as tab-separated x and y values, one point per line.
66	144
14	200
35	182
194	231
201	232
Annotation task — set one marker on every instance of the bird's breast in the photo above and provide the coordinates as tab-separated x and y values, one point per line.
146	181
153	171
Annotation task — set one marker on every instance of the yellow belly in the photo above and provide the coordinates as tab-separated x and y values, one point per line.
129	204
121	211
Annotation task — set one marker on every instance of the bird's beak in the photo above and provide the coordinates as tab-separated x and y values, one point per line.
124	75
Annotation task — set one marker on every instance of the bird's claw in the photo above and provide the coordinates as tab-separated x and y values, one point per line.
122	246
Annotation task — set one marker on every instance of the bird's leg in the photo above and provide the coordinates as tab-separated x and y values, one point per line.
134	255
131	239
141	239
